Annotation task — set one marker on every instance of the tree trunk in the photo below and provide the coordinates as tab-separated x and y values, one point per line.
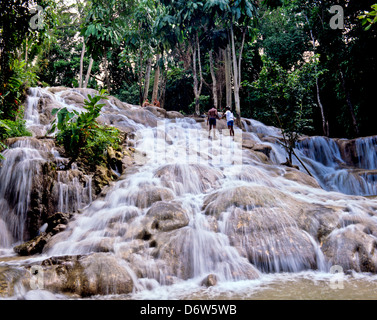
325	124
200	73
82	64
156	78
194	73
349	103
147	80
236	78
107	76
89	71
141	77
228	76
214	82
26	53
163	89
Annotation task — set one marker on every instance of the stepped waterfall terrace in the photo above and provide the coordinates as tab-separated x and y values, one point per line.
186	217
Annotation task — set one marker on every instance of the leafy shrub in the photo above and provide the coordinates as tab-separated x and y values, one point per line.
11	94
81	135
10	129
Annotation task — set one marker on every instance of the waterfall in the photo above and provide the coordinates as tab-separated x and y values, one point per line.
191	207
21	165
366	149
325	160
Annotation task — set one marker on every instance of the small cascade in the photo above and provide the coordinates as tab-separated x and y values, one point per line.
73	195
21	165
31	111
335	173
366	149
22	170
321	149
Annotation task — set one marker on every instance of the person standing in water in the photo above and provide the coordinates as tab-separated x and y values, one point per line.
211	120
229	120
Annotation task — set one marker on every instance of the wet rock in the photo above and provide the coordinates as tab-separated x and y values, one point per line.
158	112
95	274
33	246
148	195
348	151
103	176
209	281
179	250
55	224
174	115
248	143
262	148
245	197
352	248
73	98
271	240
57	89
301	177
191	178
9	279
167	216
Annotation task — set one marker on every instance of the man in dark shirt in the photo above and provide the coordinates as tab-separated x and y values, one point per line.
212	116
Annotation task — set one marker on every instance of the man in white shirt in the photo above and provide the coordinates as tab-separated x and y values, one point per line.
229	120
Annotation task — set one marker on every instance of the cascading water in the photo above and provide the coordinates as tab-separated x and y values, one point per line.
326	162
23	164
193	208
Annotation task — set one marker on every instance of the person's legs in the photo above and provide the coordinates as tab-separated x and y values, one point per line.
212	124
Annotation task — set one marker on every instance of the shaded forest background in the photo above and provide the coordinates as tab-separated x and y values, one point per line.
279	62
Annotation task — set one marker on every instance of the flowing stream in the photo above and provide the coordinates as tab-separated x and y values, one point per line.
238	214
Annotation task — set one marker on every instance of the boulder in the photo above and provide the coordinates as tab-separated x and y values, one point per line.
167	216
352	248
193	178
158	112
271	241
55	224
209	281
148	195
301	177
33	246
246	197
174	115
95	274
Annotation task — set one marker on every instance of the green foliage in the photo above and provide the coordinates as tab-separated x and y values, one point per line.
20	78
104	25
179	93
368	19
80	133
283	35
284	98
204	102
12	129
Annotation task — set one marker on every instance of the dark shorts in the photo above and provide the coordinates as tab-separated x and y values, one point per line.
212	122
230	123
